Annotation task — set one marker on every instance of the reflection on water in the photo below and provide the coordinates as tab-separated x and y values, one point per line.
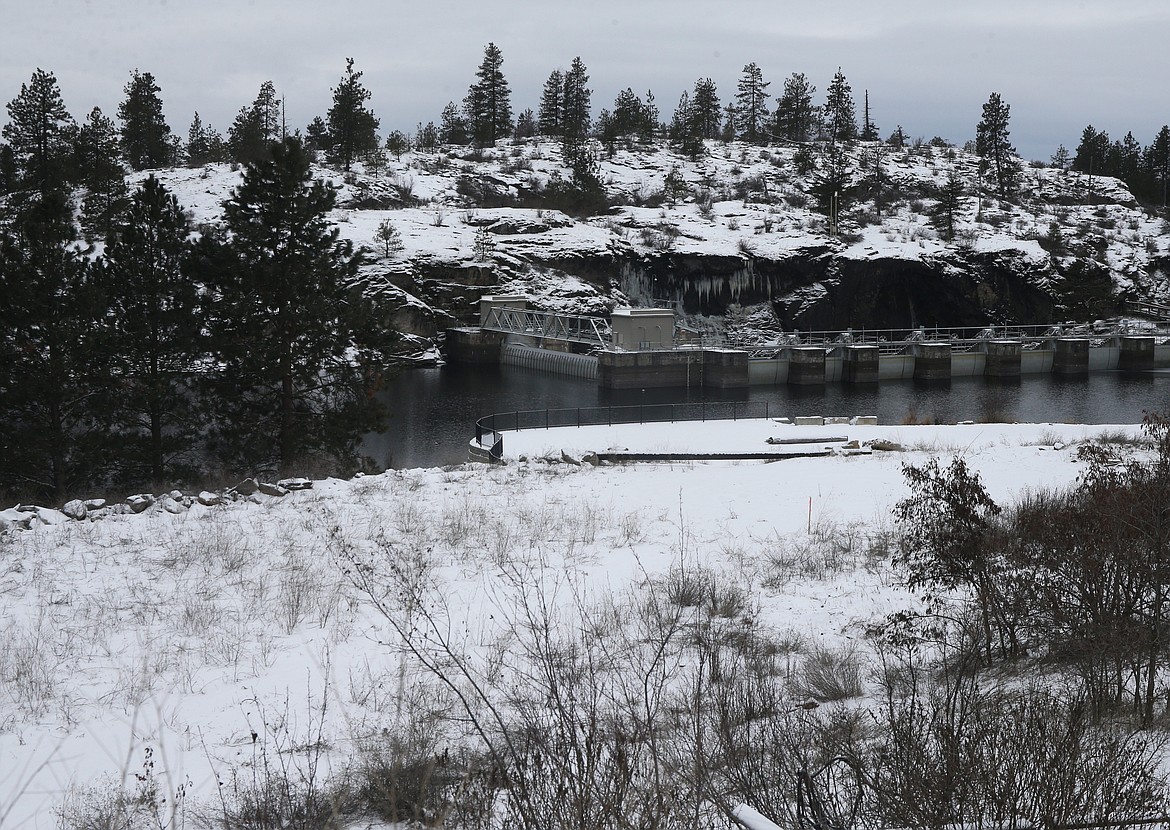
433	411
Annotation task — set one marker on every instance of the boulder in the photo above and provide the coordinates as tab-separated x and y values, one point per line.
172	505
247	487
76	510
14	518
296	483
272	489
139	502
209	499
591	458
95	504
882	445
568	459
49	516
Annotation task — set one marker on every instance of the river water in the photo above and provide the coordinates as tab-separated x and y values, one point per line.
433	410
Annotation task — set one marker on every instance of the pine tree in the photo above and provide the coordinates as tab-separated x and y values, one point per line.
49	425
751	108
317	138
390	238
488	105
685	133
575	120
797	118
257	127
287	322
153	332
525	125
452	127
650	125
627	116
146	138
1061	159
40	135
8	173
840	121
1126	160
426	137
198	153
706	110
397	143
996	154
352	127
1158	160
946	210
1092	153
727	134
100	172
551	113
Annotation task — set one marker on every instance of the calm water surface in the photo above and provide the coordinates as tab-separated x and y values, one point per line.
433	411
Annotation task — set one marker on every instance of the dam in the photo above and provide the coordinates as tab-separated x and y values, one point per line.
641	348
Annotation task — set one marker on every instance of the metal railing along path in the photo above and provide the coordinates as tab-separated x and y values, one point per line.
490	428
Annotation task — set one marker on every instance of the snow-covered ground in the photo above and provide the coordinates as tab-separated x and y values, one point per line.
173	648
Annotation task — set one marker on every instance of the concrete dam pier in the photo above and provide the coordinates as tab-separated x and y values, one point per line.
642	348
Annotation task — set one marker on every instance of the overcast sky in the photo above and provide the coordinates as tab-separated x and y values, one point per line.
929	66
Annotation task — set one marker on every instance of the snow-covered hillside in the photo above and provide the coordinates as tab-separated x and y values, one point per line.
740	226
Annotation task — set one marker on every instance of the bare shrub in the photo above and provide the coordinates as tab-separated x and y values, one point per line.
829	674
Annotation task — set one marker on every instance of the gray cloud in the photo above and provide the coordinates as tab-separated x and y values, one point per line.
927	65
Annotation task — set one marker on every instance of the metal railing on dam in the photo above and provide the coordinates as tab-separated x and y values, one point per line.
894	341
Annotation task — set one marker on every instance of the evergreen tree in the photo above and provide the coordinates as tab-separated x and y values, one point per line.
875	181
1061	159
997	157
1157	157
727	134
452	127
49	424
1092	153
751	108
627	116
551	113
317	138
869	130
153	333
832	184
897	138
797	118
705	108
100	172
397	143
352	127
8	172
650	125
946	210
39	135
605	128
525	125
146	138
685	133
488	104
288	319
426	137
575	119
1126	160
840	121
257	127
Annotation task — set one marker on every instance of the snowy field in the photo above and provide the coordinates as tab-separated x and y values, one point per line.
167	650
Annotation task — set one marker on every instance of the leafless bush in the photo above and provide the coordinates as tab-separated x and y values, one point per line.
829	674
